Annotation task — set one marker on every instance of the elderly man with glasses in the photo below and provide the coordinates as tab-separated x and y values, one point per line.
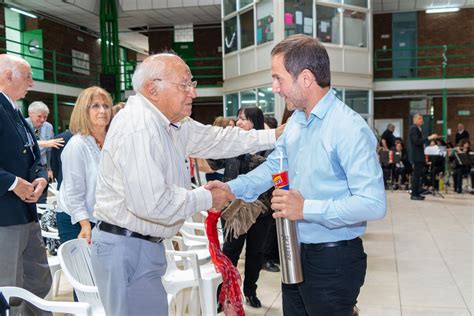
143	186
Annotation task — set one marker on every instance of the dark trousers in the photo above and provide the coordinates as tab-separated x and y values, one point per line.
416	179
270	252
332	280
458	173
255	237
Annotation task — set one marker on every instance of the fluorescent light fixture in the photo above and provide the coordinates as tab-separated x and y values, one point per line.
24	12
442	10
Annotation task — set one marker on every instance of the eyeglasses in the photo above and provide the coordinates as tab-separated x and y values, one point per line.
187	85
97	106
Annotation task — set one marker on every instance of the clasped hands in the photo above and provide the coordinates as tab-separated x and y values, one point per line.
30	192
286	203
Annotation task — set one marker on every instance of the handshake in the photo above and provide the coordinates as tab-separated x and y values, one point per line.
221	194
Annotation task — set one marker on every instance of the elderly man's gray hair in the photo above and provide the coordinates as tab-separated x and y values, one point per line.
38	107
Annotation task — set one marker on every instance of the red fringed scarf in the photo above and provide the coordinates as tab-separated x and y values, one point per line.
230	296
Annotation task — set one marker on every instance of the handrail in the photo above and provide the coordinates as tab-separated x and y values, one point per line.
427	62
58	68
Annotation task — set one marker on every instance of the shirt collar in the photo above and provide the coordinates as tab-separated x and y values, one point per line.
13	104
319	111
167	125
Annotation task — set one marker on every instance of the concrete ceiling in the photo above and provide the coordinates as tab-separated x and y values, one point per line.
132	14
150	13
383	6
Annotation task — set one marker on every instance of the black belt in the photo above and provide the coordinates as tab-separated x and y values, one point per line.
113	229
330	244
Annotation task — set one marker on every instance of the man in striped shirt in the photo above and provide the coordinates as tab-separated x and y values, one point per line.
143	187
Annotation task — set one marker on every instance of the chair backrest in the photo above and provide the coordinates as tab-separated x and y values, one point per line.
76	308
75	259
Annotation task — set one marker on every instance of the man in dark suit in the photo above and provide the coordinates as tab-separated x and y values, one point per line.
461	134
23	261
56	164
416	154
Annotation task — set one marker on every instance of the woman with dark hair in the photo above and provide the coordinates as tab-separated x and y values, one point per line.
239	216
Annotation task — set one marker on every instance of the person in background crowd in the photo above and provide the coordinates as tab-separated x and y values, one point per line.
461	134
254	238
416	155
55	162
23	178
80	159
461	170
117	107
388	139
37	115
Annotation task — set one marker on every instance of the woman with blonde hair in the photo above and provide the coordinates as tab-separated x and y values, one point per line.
89	122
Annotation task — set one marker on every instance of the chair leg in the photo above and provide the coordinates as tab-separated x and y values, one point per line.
208	295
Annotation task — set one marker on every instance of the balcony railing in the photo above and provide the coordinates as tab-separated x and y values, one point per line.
54	67
424	62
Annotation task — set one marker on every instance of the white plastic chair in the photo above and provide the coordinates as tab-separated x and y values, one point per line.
75	259
76	308
203	277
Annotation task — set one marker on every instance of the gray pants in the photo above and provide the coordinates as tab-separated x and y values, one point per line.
128	274
23	263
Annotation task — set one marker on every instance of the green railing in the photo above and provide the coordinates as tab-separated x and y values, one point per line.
424	62
58	68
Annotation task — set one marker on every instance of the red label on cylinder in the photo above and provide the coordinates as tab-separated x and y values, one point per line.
280	180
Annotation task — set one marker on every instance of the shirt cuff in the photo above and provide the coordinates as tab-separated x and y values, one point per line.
266	138
13	186
203	199
77	217
314	210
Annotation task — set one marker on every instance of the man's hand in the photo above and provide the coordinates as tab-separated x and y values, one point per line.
433	136
221	194
279	130
52	143
50	175
288	204
23	189
38	185
86	230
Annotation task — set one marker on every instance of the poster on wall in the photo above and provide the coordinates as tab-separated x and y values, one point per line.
80	62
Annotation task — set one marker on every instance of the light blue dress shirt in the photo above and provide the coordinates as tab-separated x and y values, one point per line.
45	133
331	160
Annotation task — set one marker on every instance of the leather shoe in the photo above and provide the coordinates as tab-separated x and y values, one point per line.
253	301
417	197
270	266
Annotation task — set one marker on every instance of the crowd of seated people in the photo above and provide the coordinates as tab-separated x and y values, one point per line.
397	167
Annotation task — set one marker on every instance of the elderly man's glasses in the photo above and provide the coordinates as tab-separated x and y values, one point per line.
97	106
187	85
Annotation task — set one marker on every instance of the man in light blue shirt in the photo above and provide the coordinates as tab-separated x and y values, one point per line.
336	182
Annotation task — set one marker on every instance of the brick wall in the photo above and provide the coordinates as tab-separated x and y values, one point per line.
382	28
392	109
433	29
455	104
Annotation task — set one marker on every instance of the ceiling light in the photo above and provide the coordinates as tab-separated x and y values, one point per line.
24	13
442	10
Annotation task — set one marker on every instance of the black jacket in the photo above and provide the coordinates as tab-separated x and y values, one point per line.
16	159
416	149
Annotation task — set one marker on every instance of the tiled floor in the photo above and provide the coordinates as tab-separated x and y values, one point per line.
420	261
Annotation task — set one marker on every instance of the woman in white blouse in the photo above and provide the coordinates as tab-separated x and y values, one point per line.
89	122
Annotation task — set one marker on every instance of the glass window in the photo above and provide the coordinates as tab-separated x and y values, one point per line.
298	17
243	3
248	98
338	93
266	100
358	100
230	35
332	1
355	33
231	104
246	29
264	21
328	24
229	6
359	3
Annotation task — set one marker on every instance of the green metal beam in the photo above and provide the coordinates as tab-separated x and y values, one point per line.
109	43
